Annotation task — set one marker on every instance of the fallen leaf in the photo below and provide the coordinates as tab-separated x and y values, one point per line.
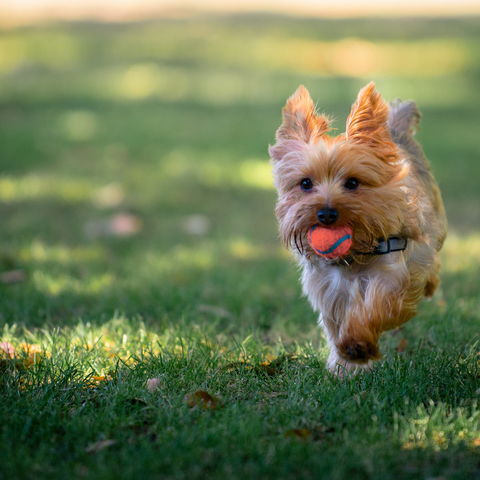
96	380
120	225
152	384
124	224
402	345
302	434
100	445
9	359
204	399
31	349
6	364
29	361
8	348
13	276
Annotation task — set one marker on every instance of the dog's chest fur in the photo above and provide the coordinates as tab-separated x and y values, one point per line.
333	289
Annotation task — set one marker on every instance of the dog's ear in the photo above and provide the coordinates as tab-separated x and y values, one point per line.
300	124
299	119
367	124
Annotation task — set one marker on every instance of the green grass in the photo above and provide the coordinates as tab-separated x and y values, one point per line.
171	119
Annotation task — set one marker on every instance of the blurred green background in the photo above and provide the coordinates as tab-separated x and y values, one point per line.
134	173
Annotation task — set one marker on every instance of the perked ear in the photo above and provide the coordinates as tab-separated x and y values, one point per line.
299	119
300	125
367	124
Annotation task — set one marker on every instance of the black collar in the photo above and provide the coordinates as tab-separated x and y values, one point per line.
392	244
384	247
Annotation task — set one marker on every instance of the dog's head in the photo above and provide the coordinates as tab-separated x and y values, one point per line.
354	179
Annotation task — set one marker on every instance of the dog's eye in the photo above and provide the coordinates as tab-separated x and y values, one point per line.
351	184
306	185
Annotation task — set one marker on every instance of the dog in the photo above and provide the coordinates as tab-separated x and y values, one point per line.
375	182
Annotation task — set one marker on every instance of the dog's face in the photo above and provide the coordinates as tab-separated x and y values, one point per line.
354	179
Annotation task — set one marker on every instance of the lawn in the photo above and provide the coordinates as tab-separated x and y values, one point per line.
139	243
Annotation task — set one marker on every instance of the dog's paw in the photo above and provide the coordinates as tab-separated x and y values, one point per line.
341	367
358	352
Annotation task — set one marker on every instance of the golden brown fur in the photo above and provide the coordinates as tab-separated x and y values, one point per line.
396	196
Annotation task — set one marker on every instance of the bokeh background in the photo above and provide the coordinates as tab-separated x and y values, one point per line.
134	174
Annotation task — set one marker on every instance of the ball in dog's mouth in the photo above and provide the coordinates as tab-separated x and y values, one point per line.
331	242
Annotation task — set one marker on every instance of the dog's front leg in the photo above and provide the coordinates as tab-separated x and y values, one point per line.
382	304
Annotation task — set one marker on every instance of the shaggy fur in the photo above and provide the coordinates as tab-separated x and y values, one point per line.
360	296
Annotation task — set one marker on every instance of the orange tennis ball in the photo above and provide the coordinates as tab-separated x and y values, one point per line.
330	242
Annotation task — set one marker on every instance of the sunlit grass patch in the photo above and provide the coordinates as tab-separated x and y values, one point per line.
63	283
439	426
102	376
205	255
34	186
56	48
78	125
98	349
57	187
461	253
217	169
40	253
350	56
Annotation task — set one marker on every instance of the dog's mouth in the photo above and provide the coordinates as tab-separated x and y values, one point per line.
331	242
361	243
359	251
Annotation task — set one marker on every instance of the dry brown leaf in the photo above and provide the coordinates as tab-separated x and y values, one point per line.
97	380
272	367
31	349
302	434
402	345
203	399
152	384
11	359
100	445
6	364
120	225
8	349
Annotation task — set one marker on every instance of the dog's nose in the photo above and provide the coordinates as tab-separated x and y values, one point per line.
327	215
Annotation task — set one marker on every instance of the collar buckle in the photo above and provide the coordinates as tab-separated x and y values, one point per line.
392	244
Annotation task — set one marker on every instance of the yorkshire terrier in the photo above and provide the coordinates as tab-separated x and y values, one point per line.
375	181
